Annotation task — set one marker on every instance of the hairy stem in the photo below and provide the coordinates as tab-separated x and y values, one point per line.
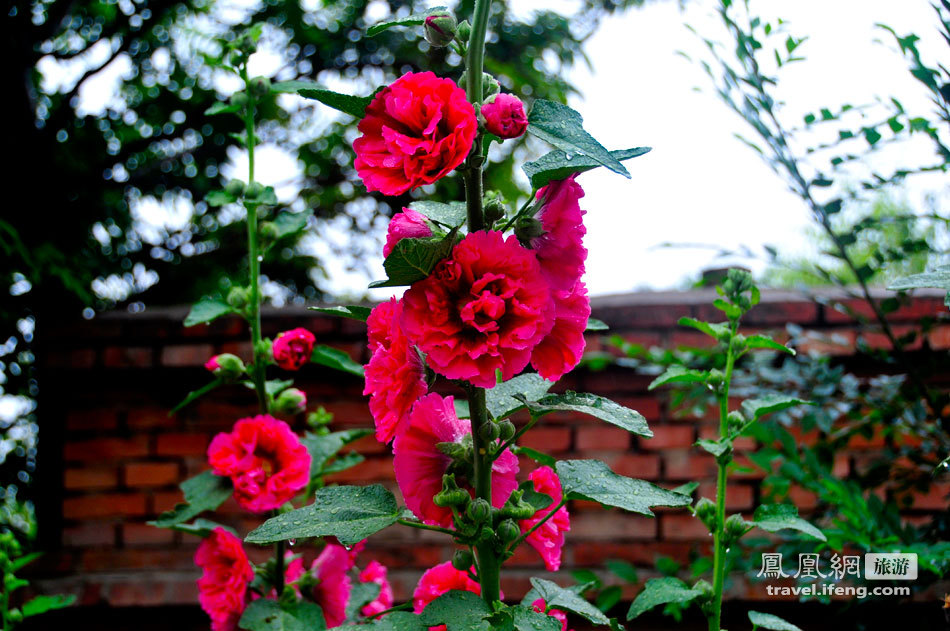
489	562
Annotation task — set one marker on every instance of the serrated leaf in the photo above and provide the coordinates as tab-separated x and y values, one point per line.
412	260
761	341
269	615
661	591
716	330
42	604
593	324
458	610
349	513
204	492
555	165
201	527
775	517
593	480
562	127
754	409
323	447
196	394
288	223
347	103
414	19
768	621
452	214
523	618
501	399
353	312
557	597
715	447
206	310
678	373
336	359
592	405
219	198
938	279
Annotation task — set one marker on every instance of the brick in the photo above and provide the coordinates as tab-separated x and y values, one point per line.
104	505
682	527
88	479
145	558
641	466
107	448
89	534
687	465
182	444
648	406
742	443
72	359
136	534
548	439
602	437
611	526
935	499
127	357
834	342
939	337
151	474
91	420
186	355
643	554
738	496
669	436
164	500
914	309
146	418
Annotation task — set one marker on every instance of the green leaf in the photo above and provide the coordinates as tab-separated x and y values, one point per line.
678	373
562	127
534	454
342	463
349	513
686	489
194	395
395	621
539	501
353	312
624	570
592	405
273	387
452	214
42	604
775	517
269	615
593	324
348	104
593	480
361	594
219	198
761	341
323	447
660	591
716	330
555	165
206	310
556	597
608	598
222	107
21	562
768	621
715	447
336	359
201	527
206	491
458	610
523	618
413	259
938	279
754	409
501	399
288	223
414	19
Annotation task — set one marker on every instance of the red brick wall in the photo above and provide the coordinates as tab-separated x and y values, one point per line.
111	457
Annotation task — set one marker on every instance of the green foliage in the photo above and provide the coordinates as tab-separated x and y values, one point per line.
593	480
355	106
776	517
413	19
508	397
449	214
336	359
556	597
269	615
562	127
413	259
768	621
324	447
352	312
660	591
458	610
204	492
207	310
557	165
592	405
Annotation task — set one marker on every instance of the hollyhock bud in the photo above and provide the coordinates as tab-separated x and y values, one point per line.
255	190
465	30
292	349
506	430
504	116
490	85
235	187
225	366
440	29
735	528
705	512
508	531
290	401
408	224
479	510
260	86
239	99
451	494
462	560
488	432
237	297
528	228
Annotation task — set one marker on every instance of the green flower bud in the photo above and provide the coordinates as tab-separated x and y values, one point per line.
237	297
506	430
320	418
290	401
735	421
490	85
255	190
528	228
508	531
260	86
451	494
236	58
269	230
440	29
479	510
488	432
495	208
516	507
235	187
239	99
464	31
704	588
15	615
705	511
462	560
735	528
225	366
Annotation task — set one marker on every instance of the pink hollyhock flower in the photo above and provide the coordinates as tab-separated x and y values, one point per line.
504	116
561	349
560	249
483	309
395	375
212	364
415	131
332	592
264	459
438	580
548	539
408	224
420	465
376	572
222	588
539	605
292	349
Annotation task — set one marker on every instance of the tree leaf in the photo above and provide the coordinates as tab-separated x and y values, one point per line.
206	310
768	621
269	615
562	127
323	447
754	409
555	165
349	513
42	604
196	394
660	591
414	19
678	373
556	597
452	214
593	324
501	399
336	359
206	491
273	387
539	501
353	312
593	480
413	259
592	405
347	103
458	610
775	517
762	341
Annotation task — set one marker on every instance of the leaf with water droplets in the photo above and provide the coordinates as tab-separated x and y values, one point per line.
558	597
349	513
413	19
501	399
523	618
564	128
458	610
205	491
269	615
660	591
775	517
206	310
593	480
768	621
353	312
592	405
556	165
452	214
414	259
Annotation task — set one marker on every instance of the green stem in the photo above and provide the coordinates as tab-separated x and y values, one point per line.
517	542
719	559
4	605
511	441
489	562
421	526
